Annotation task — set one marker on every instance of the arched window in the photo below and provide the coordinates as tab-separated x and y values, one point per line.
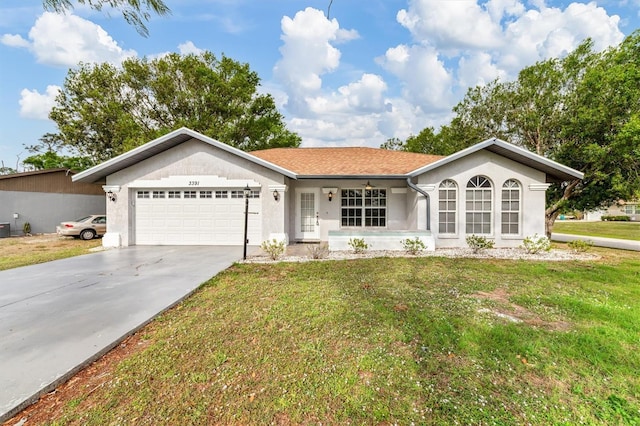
478	205
511	207
447	207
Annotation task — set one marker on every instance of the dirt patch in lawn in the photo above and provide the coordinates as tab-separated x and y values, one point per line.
503	308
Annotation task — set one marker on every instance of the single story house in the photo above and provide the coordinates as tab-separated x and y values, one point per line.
621	208
185	188
44	198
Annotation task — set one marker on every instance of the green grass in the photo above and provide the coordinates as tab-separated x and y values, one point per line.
384	341
624	230
24	251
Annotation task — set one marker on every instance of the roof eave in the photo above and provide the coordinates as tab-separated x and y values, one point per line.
339	176
164	143
521	155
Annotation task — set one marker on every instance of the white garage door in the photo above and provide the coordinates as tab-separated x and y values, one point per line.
195	217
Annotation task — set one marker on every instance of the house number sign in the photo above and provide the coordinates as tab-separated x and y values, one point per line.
194	183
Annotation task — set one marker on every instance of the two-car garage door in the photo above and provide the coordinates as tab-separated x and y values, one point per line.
207	216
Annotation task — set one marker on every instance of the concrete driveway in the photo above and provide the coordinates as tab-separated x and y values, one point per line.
57	317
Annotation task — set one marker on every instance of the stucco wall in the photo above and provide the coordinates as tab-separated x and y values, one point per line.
329	211
193	158
498	169
44	211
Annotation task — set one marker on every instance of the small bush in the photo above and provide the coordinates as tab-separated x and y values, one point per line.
274	248
615	218
413	246
536	243
318	251
358	245
580	246
478	243
26	229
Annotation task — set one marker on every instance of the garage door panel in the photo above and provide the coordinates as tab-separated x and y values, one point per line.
195	221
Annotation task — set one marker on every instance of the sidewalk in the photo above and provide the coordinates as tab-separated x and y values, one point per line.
599	241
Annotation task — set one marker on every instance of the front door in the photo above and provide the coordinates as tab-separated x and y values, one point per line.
307	221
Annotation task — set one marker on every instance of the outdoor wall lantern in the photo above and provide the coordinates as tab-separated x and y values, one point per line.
112	197
276	195
330	195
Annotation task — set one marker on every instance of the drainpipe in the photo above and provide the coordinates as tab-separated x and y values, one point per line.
420	191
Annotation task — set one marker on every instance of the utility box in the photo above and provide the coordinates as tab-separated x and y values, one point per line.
5	229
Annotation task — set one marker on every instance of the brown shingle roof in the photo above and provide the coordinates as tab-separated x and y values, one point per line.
352	161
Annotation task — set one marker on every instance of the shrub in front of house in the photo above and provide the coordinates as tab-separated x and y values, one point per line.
536	243
580	246
318	251
358	245
413	245
621	218
477	243
274	248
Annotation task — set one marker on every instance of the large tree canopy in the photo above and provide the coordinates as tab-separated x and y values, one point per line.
103	111
135	12
582	110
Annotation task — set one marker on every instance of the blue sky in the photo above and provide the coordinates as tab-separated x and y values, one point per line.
370	71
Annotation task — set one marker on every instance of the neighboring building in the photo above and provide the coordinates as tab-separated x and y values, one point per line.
187	189
622	208
44	198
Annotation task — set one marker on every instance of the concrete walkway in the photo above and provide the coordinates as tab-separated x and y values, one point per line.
58	317
599	241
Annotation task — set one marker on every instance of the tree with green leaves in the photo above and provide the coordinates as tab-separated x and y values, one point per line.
135	12
51	160
103	111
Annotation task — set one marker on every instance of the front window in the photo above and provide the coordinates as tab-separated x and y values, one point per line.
447	206
478	205
631	209
364	207
511	207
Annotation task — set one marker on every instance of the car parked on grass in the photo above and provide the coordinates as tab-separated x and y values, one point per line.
85	228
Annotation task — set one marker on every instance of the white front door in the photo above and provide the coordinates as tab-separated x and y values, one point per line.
307	219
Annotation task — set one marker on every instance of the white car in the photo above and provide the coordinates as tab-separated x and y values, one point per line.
85	228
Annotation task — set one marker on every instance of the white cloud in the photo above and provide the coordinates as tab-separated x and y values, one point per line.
308	53
14	40
37	105
477	69
552	32
188	47
452	24
455	45
66	39
425	79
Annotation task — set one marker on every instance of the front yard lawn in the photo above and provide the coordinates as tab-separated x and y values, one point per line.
24	251
623	230
383	341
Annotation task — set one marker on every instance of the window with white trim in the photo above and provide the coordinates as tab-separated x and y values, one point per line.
206	194
363	208
478	205
631	209
189	194
173	194
157	194
447	207
511	207
222	194
142	194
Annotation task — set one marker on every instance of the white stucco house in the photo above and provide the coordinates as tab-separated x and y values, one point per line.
185	188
